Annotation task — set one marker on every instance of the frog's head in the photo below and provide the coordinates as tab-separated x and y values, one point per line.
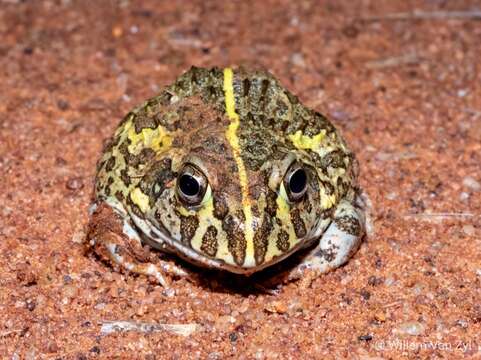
240	207
218	207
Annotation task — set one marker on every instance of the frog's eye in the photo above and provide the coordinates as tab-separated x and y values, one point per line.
191	185
295	182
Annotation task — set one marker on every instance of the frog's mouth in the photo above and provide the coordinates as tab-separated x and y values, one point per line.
158	240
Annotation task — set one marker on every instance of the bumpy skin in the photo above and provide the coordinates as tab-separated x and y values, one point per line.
243	131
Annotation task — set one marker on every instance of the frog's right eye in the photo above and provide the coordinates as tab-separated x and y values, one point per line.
191	185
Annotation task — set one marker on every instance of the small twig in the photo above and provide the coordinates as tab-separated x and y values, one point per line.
439	216
393	61
109	327
474	112
393	304
9	332
427	15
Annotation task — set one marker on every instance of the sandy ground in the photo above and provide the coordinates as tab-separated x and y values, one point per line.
404	90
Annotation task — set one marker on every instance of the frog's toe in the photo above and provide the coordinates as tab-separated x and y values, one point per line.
126	262
338	243
117	242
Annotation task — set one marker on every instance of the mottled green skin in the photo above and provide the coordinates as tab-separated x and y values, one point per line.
191	116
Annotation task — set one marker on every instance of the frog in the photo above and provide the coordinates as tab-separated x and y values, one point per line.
227	170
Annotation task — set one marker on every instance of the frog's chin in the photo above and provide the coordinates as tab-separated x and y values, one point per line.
163	242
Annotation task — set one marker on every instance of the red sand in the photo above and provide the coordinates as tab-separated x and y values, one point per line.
406	93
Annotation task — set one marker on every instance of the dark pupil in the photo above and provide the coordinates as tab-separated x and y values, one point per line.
297	182
189	185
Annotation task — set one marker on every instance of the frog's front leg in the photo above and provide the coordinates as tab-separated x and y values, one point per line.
116	241
338	243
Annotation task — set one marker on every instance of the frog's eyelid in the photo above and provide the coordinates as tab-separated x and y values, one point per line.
197	162
279	170
202	182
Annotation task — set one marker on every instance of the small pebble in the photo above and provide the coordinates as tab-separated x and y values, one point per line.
390	281
367	337
81	356
169	292
413	328
468	229
380	316
340	115
52	347
70	291
366	295
117	31
391	196
78	237
95	349
100	306
346	280
350	31
63	105
75	183
298	60
461	323
28	50
224	322
215	355
471	183
233	336
295	306
374	281
418	288
276	307
31	304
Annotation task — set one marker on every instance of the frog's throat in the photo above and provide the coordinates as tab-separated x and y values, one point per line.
233	139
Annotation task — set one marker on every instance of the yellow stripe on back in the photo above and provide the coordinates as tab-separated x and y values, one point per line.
231	135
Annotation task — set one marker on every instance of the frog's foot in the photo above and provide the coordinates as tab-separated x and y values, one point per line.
338	243
117	242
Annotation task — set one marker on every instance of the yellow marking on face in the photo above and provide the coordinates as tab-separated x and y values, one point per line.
185	212
231	135
156	139
206	200
304	142
318	144
206	218
205	215
284	215
327	201
140	199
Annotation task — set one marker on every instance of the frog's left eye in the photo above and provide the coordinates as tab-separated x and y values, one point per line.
191	185
295	182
